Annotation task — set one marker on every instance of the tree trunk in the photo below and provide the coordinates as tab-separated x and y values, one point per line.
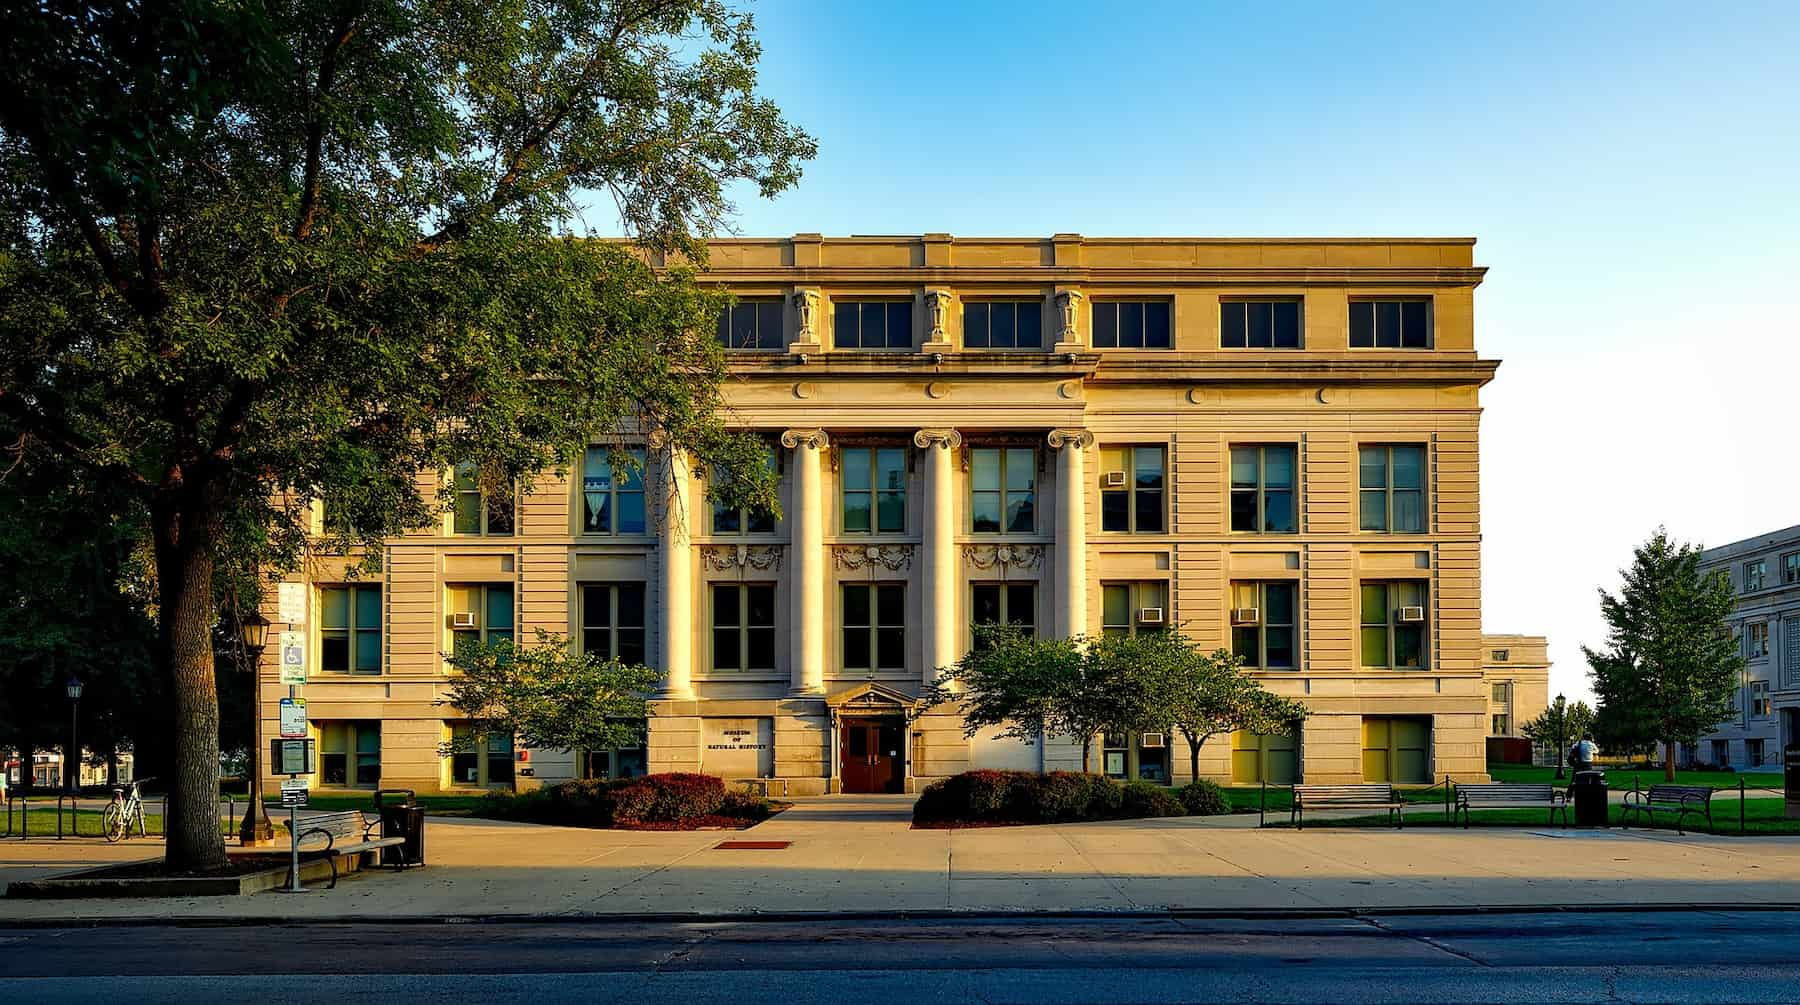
1668	760
1086	742
1194	757
184	568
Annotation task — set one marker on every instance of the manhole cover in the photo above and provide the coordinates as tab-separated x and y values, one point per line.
752	845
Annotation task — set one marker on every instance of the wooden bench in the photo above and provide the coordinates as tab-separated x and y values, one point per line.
1677	799
1345	797
1509	796
346	833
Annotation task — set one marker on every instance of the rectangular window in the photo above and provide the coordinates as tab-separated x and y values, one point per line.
874	627
1131	489
479	761
1502	724
1262	624
743	626
872	324
1132	324
350	754
1003	490
1262	489
1753	751
874	489
1259	324
1755	573
1502	693
1392	483
1393	624
350	629
476	511
1013	604
1760	705
1264	757
481	613
1502	655
1003	324
1721	751
1756	639
612	621
612	495
751	324
1133	608
739	519
1402	323
1790	567
1396	750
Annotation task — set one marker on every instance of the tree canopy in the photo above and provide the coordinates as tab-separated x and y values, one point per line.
1208	694
1560	724
546	695
254	256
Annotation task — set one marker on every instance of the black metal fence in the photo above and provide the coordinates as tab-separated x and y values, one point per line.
62	816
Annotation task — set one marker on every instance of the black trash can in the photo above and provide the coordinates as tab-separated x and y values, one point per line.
1588	792
402	817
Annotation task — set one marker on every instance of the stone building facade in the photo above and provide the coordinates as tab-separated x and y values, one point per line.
1271	444
1765	573
1518	671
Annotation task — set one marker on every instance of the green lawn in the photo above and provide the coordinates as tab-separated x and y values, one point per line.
1761	816
434	805
41	822
1620	779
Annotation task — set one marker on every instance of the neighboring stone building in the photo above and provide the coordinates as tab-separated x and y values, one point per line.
1269	443
1518	671
1765	572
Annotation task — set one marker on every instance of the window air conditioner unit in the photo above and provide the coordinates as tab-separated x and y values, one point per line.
1412	614
1150	616
1246	616
1152	741
463	619
1115	479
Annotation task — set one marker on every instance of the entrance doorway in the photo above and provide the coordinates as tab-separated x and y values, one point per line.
870	755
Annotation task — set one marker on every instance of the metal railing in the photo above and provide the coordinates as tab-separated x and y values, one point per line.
74	820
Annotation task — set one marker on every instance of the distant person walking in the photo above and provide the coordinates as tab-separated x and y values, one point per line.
1584	753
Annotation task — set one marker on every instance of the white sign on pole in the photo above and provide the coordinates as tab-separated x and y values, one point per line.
291	601
293	792
293	657
293	718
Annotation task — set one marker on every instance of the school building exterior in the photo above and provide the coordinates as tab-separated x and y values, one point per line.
1765	574
1271	444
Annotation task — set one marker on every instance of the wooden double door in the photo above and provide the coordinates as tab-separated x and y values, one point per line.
871	754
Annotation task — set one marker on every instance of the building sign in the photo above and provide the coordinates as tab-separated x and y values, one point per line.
738	748
293	717
291	603
293	657
293	792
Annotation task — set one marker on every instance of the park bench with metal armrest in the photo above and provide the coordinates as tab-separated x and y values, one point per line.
1677	799
346	833
1345	797
1509	796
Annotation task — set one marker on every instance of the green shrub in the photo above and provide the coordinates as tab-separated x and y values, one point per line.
1024	797
745	806
1148	799
597	802
1203	798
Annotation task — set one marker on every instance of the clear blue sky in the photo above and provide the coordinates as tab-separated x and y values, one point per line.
1630	171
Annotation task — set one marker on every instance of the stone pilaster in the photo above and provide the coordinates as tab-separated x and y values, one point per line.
675	579
807	600
941	568
1071	529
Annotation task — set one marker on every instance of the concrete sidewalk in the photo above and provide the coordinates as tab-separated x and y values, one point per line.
852	854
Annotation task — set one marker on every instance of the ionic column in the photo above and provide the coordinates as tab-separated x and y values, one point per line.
806	604
1071	529
940	446
675	579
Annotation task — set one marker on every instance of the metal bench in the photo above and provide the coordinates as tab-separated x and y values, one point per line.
355	831
1345	797
1677	799
1509	796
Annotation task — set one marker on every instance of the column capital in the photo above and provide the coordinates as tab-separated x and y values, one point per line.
926	438
1080	439
815	438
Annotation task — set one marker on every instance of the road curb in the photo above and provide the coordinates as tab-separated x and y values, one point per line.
668	917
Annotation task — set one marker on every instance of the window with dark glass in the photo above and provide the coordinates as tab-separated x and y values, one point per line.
1259	324
1134	608
1131	489
612	495
874	626
751	324
874	489
743	618
1132	324
1262	489
350	754
1755	575
1263	623
1391	482
350	629
1003	324
1393	624
727	519
477	511
480	760
1790	567
1013	604
872	324
612	621
1390	324
1003	490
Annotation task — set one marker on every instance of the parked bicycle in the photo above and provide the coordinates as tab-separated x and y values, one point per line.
127	806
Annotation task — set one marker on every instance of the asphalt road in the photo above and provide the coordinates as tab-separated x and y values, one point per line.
1603	957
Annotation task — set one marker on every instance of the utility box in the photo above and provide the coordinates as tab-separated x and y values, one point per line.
1588	792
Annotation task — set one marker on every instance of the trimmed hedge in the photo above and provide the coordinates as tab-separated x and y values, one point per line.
1204	798
989	797
666	800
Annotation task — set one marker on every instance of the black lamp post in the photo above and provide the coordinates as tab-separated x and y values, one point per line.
1562	739
72	763
253	637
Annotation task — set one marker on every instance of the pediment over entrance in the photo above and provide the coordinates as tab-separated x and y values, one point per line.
871	696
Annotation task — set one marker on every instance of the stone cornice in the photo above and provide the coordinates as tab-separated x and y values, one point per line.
1136	367
1167	276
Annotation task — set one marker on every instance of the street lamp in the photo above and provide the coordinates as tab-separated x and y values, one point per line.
72	763
253	637
1562	726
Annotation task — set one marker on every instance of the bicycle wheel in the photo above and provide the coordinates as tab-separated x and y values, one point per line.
112	822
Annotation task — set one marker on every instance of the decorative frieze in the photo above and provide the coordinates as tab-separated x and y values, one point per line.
1018	557
892	557
746	557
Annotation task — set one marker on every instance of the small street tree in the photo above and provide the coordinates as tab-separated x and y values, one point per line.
1208	694
1670	662
545	695
1558	724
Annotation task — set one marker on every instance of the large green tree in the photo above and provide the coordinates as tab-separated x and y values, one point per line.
1670	662
1559	725
258	254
